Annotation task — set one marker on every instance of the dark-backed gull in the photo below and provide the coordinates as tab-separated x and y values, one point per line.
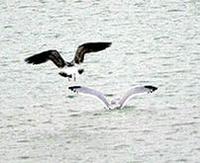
56	58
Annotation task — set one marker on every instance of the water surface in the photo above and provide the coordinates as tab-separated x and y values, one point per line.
154	42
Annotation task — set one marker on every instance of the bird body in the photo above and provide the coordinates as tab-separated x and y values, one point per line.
71	72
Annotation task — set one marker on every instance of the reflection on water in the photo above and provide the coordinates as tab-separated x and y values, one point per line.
153	43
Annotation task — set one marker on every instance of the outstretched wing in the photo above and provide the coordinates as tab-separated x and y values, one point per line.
42	57
134	91
89	91
89	47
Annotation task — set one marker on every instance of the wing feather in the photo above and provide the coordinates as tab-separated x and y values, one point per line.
87	48
135	91
42	57
89	91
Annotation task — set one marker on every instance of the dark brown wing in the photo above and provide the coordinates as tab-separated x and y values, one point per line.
42	57
89	47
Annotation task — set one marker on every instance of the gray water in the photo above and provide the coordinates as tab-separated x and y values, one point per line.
154	42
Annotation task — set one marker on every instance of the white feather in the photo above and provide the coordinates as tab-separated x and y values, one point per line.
131	93
91	92
117	104
70	70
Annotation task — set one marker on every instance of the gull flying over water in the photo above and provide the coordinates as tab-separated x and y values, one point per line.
56	58
117	103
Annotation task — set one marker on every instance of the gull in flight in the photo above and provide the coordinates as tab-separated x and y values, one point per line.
117	103
55	57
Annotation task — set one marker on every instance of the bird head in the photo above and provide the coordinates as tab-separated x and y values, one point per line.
80	71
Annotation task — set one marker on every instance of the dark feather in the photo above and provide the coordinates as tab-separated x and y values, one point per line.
63	74
80	71
89	47
152	88
42	57
73	88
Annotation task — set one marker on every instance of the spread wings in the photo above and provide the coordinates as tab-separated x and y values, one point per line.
88	48
124	99
134	91
56	58
88	91
42	57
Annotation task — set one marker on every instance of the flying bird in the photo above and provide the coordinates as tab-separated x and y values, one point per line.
56	58
117	103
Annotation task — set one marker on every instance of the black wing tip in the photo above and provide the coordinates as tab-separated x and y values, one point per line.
39	57
30	60
73	88
106	44
152	88
109	44
27	60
